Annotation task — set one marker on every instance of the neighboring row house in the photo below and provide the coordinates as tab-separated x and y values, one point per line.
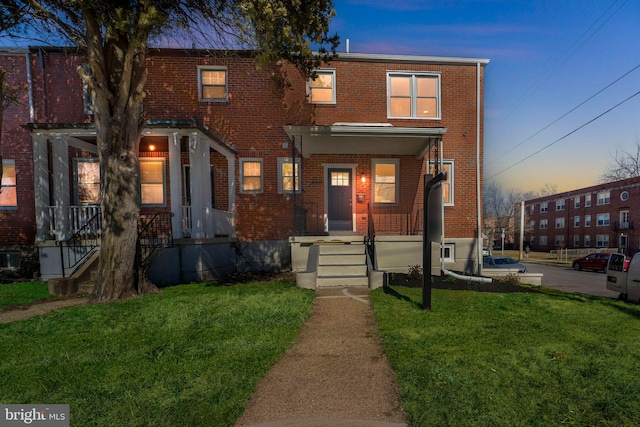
601	216
244	167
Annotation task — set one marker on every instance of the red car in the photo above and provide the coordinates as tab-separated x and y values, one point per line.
597	262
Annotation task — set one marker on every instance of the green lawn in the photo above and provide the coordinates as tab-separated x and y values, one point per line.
190	356
23	293
489	359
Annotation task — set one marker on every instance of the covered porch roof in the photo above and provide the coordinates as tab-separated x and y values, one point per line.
363	138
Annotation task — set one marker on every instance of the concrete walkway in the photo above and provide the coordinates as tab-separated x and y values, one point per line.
335	375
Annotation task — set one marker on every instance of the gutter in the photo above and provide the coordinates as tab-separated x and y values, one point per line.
478	166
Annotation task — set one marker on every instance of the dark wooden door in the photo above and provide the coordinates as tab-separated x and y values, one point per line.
340	191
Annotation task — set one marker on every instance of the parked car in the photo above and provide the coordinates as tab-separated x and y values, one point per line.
596	261
502	262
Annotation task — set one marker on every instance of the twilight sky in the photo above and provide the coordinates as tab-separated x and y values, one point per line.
562	90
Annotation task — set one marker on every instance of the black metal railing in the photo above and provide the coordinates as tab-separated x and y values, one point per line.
81	245
400	219
308	221
370	240
154	232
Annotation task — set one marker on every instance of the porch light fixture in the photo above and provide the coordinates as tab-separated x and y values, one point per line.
152	147
363	178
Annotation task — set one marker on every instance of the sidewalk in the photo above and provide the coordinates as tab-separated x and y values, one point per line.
335	375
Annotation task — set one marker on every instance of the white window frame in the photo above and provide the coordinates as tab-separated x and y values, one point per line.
559	241
576	202
587	240
244	160
203	68
560	205
587	200
9	260
604	197
325	72
414	76
164	180
543	240
77	183
532	209
544	224
12	163
576	240
624	219
602	240
603	219
376	162
576	221
560	222
544	207
449	254
296	173
587	220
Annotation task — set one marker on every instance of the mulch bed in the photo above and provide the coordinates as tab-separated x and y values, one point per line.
452	283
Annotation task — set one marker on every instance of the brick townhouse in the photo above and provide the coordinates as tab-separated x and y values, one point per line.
600	216
250	168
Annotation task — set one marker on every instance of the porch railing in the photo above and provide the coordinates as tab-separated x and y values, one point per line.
78	216
400	219
217	222
154	232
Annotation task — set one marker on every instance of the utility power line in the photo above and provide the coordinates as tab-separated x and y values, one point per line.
565	136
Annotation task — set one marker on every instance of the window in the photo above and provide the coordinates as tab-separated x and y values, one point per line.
587	220
8	194
212	82
624	219
543	240
447	253
532	209
322	89
152	181
560	222
624	196
9	260
544	224
576	240
602	219
288	176
251	175
587	200
544	207
413	95
560	205
447	185
587	240
602	240
532	240
532	225
385	177
87	178
560	240
86	95
604	197
576	202
576	221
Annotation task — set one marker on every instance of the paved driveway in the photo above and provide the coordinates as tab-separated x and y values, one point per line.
568	280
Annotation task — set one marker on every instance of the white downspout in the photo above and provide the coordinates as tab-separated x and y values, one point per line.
32	110
479	204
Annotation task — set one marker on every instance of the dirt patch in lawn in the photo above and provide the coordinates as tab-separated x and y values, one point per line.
450	282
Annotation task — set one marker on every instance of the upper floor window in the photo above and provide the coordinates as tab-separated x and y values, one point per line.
544	224
544	207
322	89
560	205
8	194
532	209
604	197
385	179
288	175
602	219
212	83
576	221
576	202
447	184
560	222
587	220
87	179
152	184
587	200
413	95
251	175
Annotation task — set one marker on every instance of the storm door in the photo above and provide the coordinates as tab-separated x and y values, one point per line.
339	199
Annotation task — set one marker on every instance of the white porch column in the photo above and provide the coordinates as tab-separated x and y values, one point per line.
41	185
200	187
175	189
61	190
231	166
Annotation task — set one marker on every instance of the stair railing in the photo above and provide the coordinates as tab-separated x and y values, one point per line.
81	245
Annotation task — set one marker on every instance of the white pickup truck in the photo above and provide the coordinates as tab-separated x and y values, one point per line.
624	276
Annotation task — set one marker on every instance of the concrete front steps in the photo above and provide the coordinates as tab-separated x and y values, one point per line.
333	262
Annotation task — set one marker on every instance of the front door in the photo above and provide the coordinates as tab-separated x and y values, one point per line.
339	199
